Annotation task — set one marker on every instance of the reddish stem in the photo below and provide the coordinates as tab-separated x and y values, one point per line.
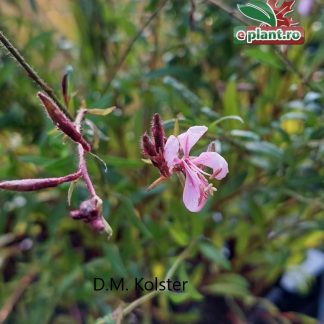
82	162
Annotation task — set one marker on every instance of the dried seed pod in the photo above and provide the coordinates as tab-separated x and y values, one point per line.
62	122
37	184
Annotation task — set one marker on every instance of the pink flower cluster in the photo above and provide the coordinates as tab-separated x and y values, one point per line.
176	155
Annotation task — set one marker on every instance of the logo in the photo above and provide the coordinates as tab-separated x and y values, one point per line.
276	27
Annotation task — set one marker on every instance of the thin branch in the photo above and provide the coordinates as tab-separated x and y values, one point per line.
235	15
31	72
132	43
14	299
231	12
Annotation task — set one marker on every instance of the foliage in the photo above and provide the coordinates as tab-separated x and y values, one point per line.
184	66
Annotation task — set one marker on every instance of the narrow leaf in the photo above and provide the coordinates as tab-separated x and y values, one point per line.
70	192
101	112
238	118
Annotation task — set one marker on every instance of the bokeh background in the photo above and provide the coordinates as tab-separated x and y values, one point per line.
266	215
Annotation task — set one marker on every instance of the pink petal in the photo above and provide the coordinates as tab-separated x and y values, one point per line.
190	138
305	7
214	161
194	196
171	149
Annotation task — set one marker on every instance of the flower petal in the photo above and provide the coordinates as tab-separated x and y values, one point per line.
190	138
305	7
214	161
171	149
194	196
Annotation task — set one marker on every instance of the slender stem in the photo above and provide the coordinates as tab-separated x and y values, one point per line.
132	43
84	170
82	162
31	72
231	12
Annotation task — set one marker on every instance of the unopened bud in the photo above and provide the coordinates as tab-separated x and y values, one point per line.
158	133
148	146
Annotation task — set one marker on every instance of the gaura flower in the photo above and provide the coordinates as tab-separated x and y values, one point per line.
197	189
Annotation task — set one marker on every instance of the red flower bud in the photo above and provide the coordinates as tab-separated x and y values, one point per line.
37	184
158	133
62	122
148	146
153	147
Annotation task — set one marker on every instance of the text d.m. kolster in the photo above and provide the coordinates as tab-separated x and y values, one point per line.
139	284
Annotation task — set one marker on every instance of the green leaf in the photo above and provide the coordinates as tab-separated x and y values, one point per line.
263	56
231	285
129	210
101	112
293	115
259	11
218	121
317	134
186	94
179	235
120	162
245	134
70	192
231	105
215	255
265	148
116	260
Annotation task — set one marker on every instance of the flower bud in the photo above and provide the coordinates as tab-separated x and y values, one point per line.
148	146
158	133
62	122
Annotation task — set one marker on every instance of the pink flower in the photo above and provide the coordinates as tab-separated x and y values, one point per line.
305	7
197	189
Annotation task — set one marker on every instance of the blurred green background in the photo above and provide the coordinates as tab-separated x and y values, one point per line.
267	212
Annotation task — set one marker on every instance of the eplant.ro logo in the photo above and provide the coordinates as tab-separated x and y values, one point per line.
276	26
